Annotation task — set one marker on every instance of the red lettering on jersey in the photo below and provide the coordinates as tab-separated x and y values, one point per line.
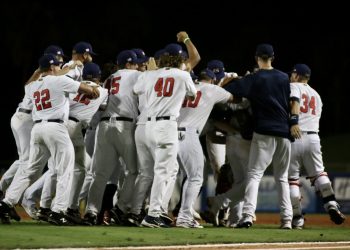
192	104
164	89
308	104
115	85
42	99
81	98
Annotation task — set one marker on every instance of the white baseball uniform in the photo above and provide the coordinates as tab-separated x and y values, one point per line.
306	152
81	111
49	136
165	90
21	125
114	139
193	116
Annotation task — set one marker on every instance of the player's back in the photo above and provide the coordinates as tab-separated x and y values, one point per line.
122	101
195	113
165	91
310	106
49	96
83	108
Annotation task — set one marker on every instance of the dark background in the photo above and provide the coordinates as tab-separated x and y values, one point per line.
315	34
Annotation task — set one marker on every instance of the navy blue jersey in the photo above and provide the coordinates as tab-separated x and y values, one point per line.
268	92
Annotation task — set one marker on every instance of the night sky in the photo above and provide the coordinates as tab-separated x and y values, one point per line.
225	30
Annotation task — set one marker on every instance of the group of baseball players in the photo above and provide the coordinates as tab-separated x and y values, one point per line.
120	142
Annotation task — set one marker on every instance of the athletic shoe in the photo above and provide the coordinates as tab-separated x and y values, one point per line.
336	216
166	218
90	219
134	219
117	215
286	224
154	222
195	214
4	213
59	219
214	209
246	222
43	214
298	222
14	215
73	215
31	211
191	224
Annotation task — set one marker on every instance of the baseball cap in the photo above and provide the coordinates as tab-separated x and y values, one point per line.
208	73
217	67
55	50
127	56
301	69
47	60
264	49
82	47
158	53
173	49
91	70
141	55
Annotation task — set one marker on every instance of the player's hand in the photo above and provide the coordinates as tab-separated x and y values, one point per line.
95	92
181	36
295	131
151	64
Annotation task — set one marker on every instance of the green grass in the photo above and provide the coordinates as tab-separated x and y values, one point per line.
41	235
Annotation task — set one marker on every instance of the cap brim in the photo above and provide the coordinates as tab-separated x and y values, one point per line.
143	60
220	75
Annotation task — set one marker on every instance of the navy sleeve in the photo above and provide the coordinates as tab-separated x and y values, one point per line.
241	87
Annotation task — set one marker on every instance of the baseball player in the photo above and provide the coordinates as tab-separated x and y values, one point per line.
49	136
164	90
306	150
117	125
142	58
81	111
268	91
193	116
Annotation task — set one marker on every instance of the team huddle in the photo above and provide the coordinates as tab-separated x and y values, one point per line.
119	139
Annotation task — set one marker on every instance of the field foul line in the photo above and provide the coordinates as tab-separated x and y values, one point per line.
245	246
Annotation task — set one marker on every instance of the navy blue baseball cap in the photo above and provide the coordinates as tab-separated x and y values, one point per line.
159	53
47	60
209	73
127	56
217	67
91	70
82	47
264	49
55	50
174	49
141	55
301	69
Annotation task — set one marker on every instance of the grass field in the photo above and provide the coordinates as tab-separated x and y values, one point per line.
32	234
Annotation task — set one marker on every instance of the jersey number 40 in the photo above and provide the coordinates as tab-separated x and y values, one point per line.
164	87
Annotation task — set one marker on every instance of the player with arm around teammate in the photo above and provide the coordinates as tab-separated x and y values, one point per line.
306	149
49	135
193	116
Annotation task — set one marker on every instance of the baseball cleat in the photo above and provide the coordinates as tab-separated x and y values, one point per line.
336	216
191	224
153	222
43	214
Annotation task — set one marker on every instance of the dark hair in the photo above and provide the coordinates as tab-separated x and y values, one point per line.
204	76
171	61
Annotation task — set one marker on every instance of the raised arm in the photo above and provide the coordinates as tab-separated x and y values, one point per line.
193	55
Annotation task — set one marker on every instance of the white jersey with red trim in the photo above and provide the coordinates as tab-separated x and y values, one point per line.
49	95
83	108
310	106
158	85
122	101
76	73
26	102
195	113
